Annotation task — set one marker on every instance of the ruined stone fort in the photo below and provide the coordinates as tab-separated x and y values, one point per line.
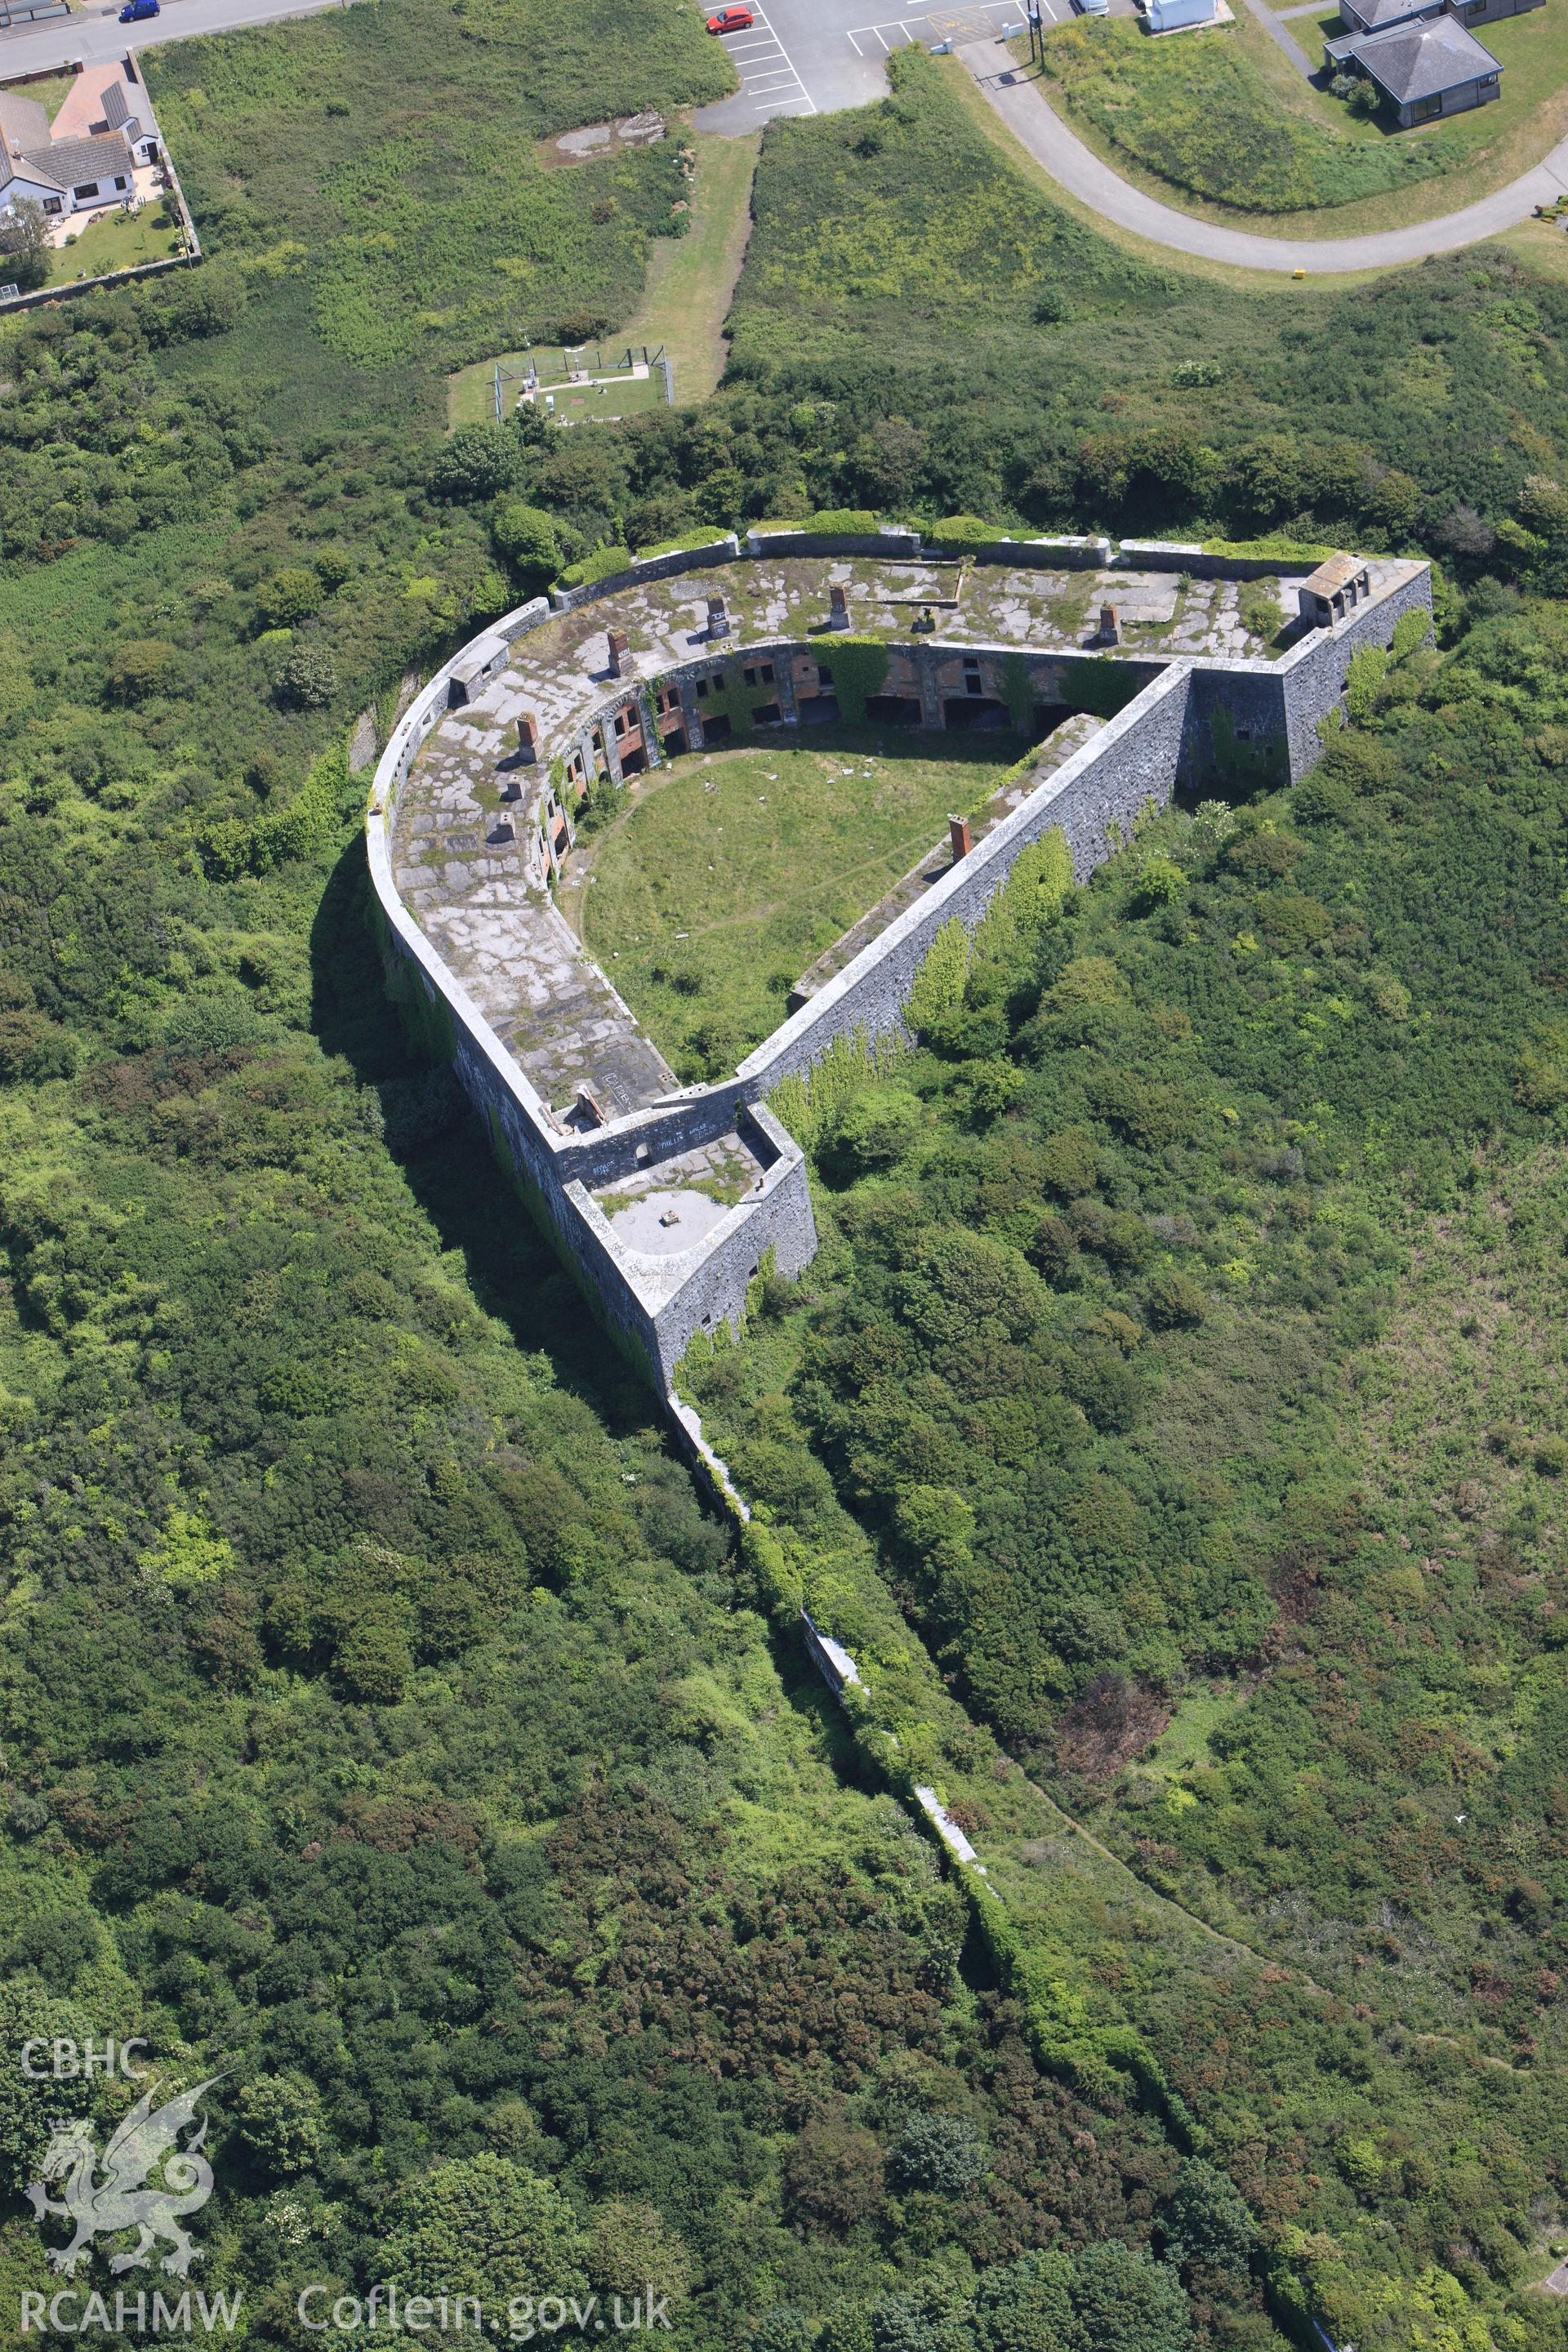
1126	667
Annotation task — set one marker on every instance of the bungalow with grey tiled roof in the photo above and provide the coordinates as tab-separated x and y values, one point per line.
68	176
1426	67
1382	15
88	157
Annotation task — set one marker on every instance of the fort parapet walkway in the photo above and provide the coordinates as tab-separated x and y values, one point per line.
665	1200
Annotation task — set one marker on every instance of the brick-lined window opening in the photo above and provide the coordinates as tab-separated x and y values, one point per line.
759	674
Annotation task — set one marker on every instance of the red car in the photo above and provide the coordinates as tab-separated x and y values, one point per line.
731	20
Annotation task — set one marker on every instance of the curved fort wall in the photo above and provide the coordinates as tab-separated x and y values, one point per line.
1193	721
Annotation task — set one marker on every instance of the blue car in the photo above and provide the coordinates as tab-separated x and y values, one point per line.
134	10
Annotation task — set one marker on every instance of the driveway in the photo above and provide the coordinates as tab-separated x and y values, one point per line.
98	32
1080	171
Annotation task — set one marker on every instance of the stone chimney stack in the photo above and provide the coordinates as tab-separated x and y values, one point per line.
837	609
958	834
1109	625
527	735
718	617
619	643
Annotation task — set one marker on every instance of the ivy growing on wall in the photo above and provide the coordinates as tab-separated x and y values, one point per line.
859	667
732	698
1018	691
1101	687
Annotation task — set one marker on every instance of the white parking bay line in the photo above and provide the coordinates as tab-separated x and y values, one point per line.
751	79
947	22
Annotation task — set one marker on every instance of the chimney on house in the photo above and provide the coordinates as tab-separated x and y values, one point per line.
618	643
718	617
1109	625
837	609
959	837
527	735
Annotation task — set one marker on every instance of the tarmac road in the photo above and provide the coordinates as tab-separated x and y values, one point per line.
1039	128
98	32
816	56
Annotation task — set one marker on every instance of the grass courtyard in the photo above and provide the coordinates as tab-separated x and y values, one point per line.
731	871
1226	118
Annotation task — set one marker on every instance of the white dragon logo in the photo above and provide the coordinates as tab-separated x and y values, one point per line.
121	2200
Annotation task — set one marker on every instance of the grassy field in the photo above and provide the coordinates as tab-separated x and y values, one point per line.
386	159
987	124
1232	124
690	278
686	298
118	241
733	869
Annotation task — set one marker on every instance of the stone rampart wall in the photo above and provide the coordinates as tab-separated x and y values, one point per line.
898	544
1191	719
1174	555
1133	759
1029	554
652	567
1317	671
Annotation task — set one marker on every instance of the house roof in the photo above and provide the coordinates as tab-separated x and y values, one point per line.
23	121
72	162
1336	572
1423	59
1377	15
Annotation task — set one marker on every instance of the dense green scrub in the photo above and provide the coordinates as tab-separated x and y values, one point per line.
1201	115
384	1721
391	164
1126	1368
382	1731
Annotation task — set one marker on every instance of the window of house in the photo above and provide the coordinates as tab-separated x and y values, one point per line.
765	672
119	184
702	689
749	676
1425	108
51	203
1489	81
81	195
824	675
